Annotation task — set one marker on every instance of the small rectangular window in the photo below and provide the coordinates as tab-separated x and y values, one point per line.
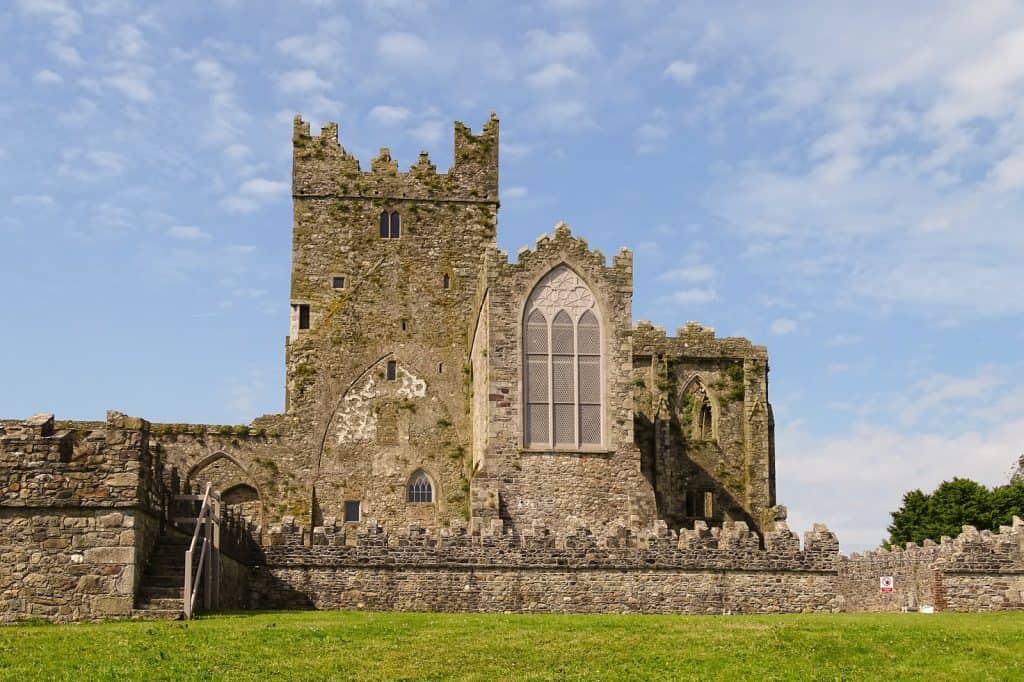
446	281
304	316
709	509
392	370
351	511
338	282
396	225
692	504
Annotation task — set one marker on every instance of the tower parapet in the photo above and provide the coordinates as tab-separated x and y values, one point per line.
323	168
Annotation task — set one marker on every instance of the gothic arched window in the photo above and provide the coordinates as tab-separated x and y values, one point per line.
420	488
563	386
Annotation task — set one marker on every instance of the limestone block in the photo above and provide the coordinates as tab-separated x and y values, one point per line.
110	555
112	606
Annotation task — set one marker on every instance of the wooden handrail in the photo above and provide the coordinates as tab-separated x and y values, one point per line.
208	519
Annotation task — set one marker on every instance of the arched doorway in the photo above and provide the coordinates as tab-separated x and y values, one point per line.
237	489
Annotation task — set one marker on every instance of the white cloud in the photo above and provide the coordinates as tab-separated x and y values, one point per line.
515	192
783	325
127	40
1008	174
47	77
681	71
67	54
91	165
212	75
64	20
132	85
701	272
564	116
187	233
33	200
552	76
427	133
388	115
695	296
300	81
405	48
323	48
853	480
651	136
254	194
545	47
843	340
237	152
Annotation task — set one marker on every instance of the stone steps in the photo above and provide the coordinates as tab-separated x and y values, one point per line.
160	595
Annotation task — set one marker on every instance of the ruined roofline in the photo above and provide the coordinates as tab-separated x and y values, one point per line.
692	339
324	168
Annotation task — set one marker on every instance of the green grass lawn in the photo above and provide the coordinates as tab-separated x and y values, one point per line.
345	645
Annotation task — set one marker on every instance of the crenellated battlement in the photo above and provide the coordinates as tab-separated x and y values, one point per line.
323	168
731	547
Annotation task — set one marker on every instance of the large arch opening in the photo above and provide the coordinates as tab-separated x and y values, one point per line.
236	487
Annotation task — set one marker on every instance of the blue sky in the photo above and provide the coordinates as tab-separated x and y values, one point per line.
841	182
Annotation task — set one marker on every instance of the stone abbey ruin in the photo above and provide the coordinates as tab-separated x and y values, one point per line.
461	433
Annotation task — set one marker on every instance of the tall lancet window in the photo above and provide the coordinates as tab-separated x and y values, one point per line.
562	366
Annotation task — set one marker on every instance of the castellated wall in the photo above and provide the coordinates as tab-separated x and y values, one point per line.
976	571
536	571
78	517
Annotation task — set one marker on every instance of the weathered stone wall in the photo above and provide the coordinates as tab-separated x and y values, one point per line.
234	585
976	571
360	436
78	516
703	425
556	487
699	571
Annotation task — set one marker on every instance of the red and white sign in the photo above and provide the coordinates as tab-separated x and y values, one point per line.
885	583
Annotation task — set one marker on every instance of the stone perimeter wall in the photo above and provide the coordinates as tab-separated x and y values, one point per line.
696	571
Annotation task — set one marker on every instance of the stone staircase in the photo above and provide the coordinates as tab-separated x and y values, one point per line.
161	590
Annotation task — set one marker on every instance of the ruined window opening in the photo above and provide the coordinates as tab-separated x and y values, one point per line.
446	281
303	316
351	511
704	423
392	370
700	504
562	364
396	225
420	488
384	232
338	282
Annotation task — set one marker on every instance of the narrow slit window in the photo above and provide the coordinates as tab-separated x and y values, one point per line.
420	489
304	316
440	368
392	370
338	282
396	225
384	232
351	511
405	325
446	281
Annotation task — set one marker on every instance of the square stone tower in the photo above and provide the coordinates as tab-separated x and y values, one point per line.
385	265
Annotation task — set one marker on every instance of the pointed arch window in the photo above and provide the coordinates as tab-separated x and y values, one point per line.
390	225
563	375
420	489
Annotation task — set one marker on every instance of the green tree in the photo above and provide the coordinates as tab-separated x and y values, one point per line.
954	504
